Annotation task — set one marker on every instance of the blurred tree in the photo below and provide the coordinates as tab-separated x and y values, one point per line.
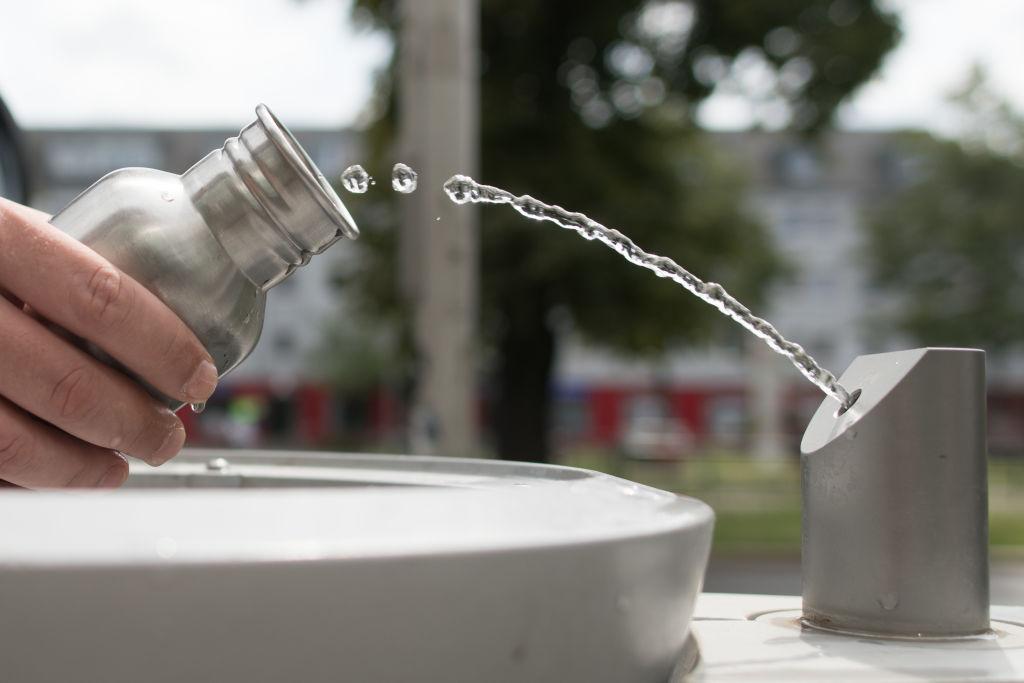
950	243
592	103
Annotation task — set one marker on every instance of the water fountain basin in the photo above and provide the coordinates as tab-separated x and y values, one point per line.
228	565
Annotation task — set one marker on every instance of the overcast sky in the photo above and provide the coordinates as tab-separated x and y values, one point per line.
208	62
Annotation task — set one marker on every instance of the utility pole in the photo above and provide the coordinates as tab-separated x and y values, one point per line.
439	136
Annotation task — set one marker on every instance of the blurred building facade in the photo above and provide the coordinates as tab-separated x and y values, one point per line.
813	196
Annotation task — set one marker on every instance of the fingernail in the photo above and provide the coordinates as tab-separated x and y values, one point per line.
114	477
201	384
171	446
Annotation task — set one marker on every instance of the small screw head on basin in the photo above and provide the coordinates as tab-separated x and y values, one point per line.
217	465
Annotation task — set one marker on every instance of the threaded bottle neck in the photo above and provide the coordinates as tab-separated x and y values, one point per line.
266	202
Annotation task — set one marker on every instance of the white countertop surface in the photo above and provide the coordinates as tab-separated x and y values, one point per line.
757	638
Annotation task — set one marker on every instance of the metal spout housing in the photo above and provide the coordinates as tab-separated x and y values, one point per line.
895	499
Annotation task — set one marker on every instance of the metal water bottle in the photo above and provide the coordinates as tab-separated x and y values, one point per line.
211	242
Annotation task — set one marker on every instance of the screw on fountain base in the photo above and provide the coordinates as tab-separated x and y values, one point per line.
895	499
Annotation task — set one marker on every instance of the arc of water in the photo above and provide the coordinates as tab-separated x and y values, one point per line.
463	189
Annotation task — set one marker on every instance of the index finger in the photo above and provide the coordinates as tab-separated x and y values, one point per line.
86	295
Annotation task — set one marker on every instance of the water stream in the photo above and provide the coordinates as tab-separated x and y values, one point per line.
463	189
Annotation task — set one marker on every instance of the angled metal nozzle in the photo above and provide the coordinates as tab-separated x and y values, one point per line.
895	499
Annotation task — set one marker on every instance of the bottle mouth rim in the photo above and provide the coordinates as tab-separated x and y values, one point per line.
310	174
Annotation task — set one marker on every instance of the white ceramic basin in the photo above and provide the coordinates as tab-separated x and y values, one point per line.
249	566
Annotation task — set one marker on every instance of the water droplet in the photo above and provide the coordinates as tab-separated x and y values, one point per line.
355	179
198	407
167	196
403	179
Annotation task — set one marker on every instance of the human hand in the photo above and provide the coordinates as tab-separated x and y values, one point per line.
65	416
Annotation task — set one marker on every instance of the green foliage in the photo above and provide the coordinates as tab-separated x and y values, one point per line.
819	51
950	244
590	104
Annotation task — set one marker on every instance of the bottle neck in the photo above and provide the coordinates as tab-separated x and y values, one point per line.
266	202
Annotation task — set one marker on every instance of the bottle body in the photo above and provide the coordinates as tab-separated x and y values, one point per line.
211	242
142	221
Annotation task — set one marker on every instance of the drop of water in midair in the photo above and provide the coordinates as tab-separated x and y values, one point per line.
355	179
198	407
403	179
463	189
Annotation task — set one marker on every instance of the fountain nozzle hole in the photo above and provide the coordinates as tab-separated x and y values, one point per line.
854	395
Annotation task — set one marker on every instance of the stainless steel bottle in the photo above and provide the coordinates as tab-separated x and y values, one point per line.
211	242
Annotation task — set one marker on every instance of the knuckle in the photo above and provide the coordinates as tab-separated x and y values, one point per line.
16	454
106	301
74	396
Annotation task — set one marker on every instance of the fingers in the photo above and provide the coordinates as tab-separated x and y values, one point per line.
35	214
86	295
13	299
61	384
35	455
